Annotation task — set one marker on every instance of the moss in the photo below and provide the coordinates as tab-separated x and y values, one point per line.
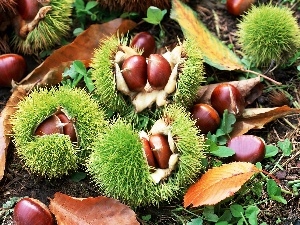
119	168
49	31
55	155
269	33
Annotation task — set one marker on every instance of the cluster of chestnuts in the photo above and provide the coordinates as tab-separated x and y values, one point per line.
247	148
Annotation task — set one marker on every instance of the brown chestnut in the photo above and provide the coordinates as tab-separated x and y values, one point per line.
238	7
207	118
68	126
12	67
28	8
30	211
134	71
158	71
145	41
148	152
51	125
247	148
227	96
161	150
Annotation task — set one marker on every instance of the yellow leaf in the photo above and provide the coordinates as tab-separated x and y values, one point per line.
215	53
219	183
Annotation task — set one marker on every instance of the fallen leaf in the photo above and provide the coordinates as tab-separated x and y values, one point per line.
219	183
88	211
82	48
244	86
256	118
215	53
5	126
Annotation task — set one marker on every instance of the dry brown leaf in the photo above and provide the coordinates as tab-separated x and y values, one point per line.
82	48
5	126
90	211
244	86
219	183
256	118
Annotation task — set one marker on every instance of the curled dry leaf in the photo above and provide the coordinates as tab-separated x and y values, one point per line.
82	48
219	183
244	86
98	211
5	126
256	118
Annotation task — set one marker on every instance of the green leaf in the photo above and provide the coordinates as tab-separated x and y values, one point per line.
197	221
77	31
90	5
223	151
209	214
271	150
227	122
222	223
79	67
274	191
89	83
251	213
79	5
154	15
236	210
226	216
286	147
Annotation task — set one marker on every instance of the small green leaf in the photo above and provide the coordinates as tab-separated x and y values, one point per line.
89	83
154	15
90	5
79	5
271	150
251	213
79	67
147	217
209	214
223	151
274	191
227	122
286	147
222	223
226	216
197	221
236	210
77	31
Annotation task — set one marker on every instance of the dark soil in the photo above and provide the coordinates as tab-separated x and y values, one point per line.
18	182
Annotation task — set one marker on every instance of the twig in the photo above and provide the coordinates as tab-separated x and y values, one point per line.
262	75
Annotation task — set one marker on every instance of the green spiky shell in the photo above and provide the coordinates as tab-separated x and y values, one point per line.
49	31
55	155
269	33
191	75
119	168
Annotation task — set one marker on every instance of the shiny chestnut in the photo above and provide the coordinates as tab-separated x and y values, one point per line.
227	96
12	67
158	71
28	8
145	41
134	71
247	148
161	150
206	117
238	7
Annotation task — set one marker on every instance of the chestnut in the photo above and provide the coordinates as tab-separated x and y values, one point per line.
247	148
238	7
158	71
28	8
51	125
148	152
227	96
145	41
12	67
134	71
68	127
161	150
207	118
30	211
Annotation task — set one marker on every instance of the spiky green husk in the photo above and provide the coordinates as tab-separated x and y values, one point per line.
104	78
191	76
50	30
55	155
119	168
269	33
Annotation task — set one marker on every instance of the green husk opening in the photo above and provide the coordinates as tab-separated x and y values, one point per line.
119	168
39	152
